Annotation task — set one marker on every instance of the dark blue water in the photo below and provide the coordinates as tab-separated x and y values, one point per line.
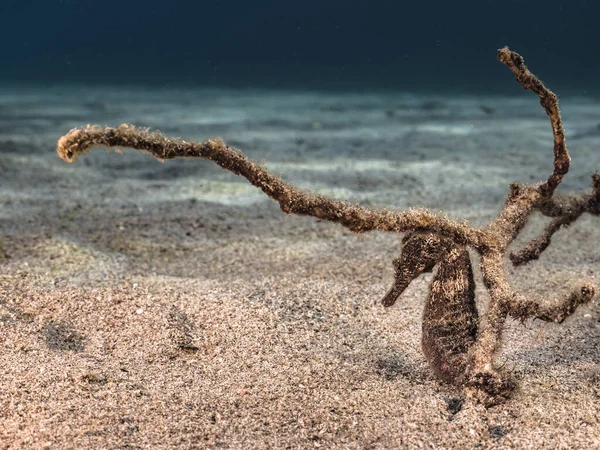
420	45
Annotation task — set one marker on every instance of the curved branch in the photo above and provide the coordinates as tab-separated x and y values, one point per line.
536	246
549	101
450	321
556	311
291	199
522	200
515	304
565	210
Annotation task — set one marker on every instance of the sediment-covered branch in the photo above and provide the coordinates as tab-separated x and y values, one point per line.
565	210
549	102
291	199
458	351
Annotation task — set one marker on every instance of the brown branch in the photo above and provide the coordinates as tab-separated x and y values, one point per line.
536	246
565	210
555	311
291	199
457	352
549	102
522	200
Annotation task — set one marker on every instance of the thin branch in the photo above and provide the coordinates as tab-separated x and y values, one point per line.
556	310
536	246
549	102
291	199
565	210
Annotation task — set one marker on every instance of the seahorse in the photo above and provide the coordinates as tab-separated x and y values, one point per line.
450	317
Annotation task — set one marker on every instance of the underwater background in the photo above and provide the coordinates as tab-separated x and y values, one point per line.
173	305
402	45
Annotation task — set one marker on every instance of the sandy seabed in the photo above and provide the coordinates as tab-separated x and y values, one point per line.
149	305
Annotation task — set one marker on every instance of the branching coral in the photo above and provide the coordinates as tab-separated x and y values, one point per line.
458	347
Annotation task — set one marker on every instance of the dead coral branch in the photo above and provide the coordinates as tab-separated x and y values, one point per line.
456	348
291	199
565	210
549	102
